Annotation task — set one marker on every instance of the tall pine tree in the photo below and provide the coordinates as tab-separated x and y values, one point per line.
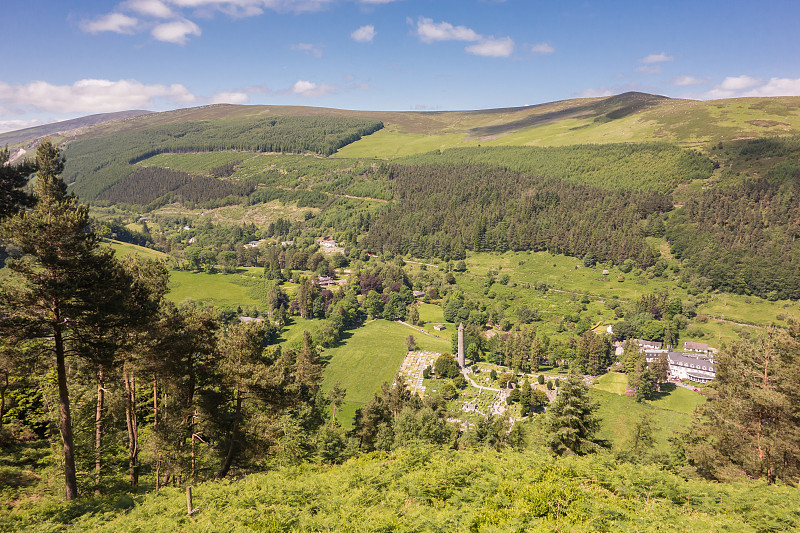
57	284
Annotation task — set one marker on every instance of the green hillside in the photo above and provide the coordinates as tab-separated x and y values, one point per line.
424	489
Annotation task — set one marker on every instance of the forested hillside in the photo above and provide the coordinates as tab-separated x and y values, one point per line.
638	167
96	164
441	211
743	233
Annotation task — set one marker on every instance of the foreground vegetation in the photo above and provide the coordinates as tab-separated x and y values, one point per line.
424	488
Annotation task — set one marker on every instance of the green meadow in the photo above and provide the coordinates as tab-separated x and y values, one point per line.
123	249
370	356
388	144
221	290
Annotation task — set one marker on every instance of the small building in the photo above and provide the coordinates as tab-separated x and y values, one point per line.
325	281
648	345
419	294
287	243
251	319
700	347
439	327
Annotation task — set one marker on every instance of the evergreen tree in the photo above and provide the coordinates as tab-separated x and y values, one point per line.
572	423
56	288
753	425
12	179
643	380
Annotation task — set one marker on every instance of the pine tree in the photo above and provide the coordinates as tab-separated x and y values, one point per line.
12	179
753	425
56	288
572	422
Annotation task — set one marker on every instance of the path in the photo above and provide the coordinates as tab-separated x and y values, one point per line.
418	329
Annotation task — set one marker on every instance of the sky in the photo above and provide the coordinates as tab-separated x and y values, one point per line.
65	59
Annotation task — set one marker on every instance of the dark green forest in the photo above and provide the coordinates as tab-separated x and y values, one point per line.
441	211
109	160
152	187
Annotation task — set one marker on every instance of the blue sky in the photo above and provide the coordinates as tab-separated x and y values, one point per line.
67	59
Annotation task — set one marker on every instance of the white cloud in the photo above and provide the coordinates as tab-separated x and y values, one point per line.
364	34
13	125
247	8
180	28
542	48
739	83
492	47
648	69
152	8
744	85
685	81
656	58
780	87
230	97
307	47
93	96
431	32
176	31
114	22
312	90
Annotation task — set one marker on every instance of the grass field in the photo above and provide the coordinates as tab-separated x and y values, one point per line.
388	144
213	289
612	382
124	249
620	413
432	314
671	397
680	399
368	357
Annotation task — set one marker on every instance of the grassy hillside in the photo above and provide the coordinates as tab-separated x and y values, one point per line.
425	489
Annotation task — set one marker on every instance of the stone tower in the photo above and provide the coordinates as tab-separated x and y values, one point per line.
461	345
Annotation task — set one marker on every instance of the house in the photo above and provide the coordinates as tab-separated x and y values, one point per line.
327	242
325	281
287	243
419	294
701	347
253	244
250	319
439	327
693	367
648	345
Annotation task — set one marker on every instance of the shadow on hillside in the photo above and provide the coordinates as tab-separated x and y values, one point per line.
666	390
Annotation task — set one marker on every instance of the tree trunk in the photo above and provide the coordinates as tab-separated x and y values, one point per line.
133	430
70	480
234	437
155	402
3	396
98	430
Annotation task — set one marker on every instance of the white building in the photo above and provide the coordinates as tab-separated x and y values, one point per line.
693	367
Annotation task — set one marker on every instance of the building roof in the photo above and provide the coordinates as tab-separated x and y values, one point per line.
649	344
696	346
698	362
